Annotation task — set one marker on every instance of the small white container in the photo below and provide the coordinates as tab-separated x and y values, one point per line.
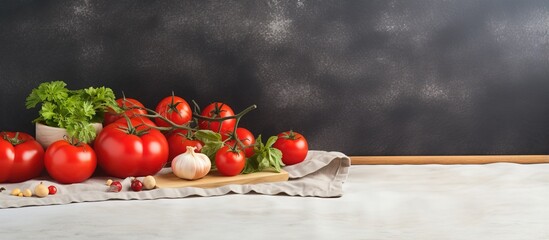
46	135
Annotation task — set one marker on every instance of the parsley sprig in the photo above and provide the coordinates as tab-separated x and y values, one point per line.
73	110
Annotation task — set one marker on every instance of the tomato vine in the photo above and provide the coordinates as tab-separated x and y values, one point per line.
265	157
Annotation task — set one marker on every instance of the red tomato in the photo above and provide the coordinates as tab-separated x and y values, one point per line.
111	116
7	158
246	137
175	109
217	110
178	142
228	162
21	157
293	147
176	131
67	163
124	150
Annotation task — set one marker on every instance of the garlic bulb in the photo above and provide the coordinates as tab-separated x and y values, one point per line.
190	165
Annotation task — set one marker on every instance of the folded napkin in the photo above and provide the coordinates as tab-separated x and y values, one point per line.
322	174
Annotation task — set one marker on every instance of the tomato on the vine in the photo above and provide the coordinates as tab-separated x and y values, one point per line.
68	162
21	157
111	116
217	110
131	148
230	162
178	142
293	146
245	136
175	109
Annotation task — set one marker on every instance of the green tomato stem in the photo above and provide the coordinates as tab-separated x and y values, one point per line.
13	141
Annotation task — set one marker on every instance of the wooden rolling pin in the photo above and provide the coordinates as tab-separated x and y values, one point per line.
469	159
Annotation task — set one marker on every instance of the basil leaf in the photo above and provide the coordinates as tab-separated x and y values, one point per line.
212	143
207	136
271	141
265	158
210	149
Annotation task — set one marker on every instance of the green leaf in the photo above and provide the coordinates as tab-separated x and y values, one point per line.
265	158
211	148
212	143
207	136
263	162
101	98
258	144
48	111
54	91
276	159
84	132
271	141
32	100
86	109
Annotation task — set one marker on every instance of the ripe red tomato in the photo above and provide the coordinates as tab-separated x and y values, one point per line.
228	162
178	142
21	157
175	109
7	158
293	146
217	110
124	150
68	163
179	131
246	137
111	116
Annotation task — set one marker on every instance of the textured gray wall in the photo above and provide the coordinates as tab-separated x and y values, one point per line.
361	77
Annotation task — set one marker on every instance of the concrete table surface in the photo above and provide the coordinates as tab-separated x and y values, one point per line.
492	201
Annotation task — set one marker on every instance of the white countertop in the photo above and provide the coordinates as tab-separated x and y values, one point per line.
494	201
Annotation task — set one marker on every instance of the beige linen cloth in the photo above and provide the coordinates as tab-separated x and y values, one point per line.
322	174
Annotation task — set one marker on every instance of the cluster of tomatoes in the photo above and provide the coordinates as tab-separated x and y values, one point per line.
137	142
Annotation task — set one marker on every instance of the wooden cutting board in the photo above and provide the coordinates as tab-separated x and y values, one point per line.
214	179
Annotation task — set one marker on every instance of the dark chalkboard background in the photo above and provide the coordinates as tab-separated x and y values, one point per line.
360	77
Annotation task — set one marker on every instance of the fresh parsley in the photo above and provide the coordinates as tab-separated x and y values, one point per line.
73	110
